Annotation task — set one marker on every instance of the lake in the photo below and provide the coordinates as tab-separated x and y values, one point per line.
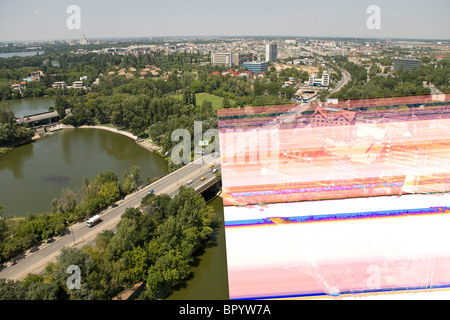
32	175
29	106
20	54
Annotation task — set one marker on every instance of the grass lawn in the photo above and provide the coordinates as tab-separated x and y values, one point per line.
215	100
200	97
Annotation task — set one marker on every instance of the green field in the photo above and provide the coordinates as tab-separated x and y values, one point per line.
215	100
200	97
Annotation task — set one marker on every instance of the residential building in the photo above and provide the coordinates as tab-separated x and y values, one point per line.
406	64
323	117
17	86
77	84
271	52
59	85
36	75
256	67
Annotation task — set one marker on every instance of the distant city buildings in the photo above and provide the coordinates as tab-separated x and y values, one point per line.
271	52
256	67
406	64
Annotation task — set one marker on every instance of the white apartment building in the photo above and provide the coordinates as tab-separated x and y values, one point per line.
271	52
228	59
314	80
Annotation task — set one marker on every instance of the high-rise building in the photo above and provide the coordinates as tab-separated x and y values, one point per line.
271	52
325	79
84	40
406	64
228	59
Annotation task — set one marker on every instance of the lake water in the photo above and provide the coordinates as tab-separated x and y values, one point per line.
30	106
32	175
20	54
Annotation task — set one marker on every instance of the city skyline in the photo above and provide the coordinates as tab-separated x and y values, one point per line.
46	20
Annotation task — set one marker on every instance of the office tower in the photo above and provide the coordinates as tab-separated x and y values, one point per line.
228	59
271	52
406	64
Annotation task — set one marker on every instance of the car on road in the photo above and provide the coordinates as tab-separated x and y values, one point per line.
203	178
214	170
189	182
150	191
173	196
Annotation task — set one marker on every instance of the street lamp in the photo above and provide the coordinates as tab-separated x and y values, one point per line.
73	235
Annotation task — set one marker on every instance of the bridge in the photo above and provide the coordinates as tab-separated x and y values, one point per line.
39	119
196	174
41	122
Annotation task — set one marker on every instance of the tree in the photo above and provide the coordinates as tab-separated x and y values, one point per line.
135	266
6	115
226	102
39	290
60	104
135	173
11	290
125	238
75	257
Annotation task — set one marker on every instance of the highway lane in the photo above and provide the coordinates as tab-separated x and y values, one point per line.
80	234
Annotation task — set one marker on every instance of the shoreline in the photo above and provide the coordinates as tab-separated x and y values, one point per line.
145	143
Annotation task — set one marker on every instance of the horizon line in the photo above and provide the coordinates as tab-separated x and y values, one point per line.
231	36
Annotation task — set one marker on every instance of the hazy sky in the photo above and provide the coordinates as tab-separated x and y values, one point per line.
45	20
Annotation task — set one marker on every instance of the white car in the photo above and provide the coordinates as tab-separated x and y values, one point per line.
189	182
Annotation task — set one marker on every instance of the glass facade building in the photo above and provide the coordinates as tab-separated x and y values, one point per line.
256	67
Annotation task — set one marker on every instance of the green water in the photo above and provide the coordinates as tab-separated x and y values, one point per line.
32	175
30	106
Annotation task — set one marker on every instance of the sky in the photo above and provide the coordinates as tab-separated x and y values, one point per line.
26	20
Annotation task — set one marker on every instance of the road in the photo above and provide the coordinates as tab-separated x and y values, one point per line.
346	78
79	235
